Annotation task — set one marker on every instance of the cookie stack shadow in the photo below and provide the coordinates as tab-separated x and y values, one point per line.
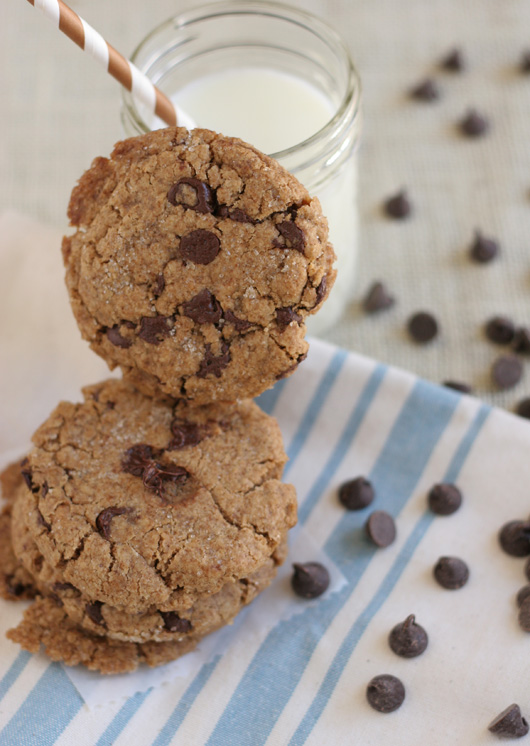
148	515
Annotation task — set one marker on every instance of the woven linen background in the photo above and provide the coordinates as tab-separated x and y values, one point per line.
59	110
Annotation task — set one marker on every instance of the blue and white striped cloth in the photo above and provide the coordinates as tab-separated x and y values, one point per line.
304	680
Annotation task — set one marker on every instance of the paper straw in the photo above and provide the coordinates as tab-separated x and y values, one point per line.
118	66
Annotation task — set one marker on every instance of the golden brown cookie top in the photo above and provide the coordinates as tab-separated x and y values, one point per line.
135	500
195	262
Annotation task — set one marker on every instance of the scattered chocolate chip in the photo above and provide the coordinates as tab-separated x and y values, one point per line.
522	595
192	193
454	61
514	538
136	458
321	291
509	724
422	327
155	474
173	623
506	371
27	475
380	528
474	124
385	693
285	316
408	639
159	285
444	499
104	519
64	587
500	330
521	341
309	580
292	237
42	522
524	65
45	489
203	308
451	573
115	338
464	388
212	365
523	408
356	494
185	434
93	612
292	367
240	325
483	249
240	217
377	298
200	246
398	206
427	90
154	329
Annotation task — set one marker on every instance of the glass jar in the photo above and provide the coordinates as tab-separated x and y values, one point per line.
280	79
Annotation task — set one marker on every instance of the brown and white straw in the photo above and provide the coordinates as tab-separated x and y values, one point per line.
125	72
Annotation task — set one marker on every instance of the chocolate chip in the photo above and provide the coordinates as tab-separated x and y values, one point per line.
321	291
500	330
192	193
200	246
309	580
451	573
159	285
42	522
115	338
203	308
385	693
524	65
93	612
380	528
398	206
521	341
65	587
27	475
522	594
427	90
514	538
240	325
285	316
408	639
173	623
155	474
506	371
154	329
356	494
483	249
422	327
454	61
444	498
377	298
474	124
464	388
104	519
240	217
509	724
185	434
523	408
136	458
293	236
292	367
212	365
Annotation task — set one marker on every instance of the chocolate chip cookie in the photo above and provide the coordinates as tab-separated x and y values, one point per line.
195	263
146	504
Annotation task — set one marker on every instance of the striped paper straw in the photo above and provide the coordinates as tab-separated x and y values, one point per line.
118	66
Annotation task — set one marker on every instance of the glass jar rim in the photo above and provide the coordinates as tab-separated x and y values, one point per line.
315	25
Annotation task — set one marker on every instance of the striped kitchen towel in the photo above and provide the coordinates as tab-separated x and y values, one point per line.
303	680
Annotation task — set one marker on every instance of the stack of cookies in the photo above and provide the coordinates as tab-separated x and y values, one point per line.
148	515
